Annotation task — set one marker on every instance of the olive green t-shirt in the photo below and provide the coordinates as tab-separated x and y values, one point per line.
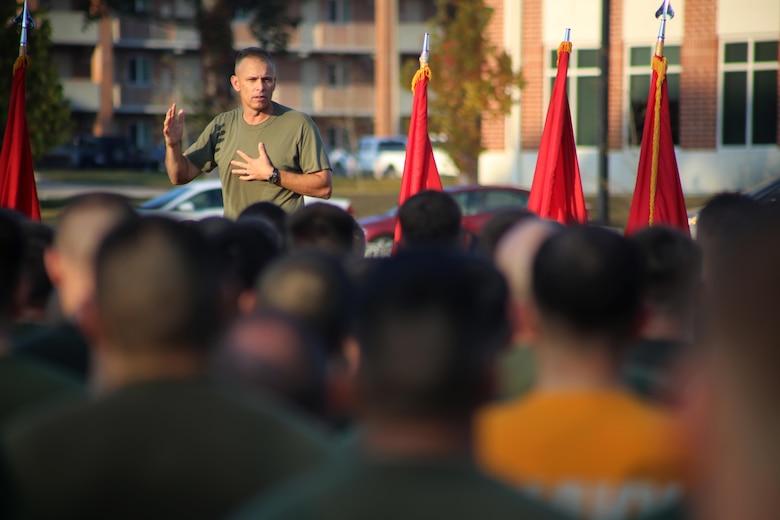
291	139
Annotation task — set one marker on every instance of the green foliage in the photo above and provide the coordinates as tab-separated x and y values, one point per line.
471	76
48	112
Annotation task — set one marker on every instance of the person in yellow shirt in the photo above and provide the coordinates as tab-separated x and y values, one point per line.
579	440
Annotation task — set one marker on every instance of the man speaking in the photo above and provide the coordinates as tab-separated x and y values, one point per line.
264	151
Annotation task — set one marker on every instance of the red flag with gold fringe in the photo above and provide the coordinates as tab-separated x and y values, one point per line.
556	192
17	180
658	197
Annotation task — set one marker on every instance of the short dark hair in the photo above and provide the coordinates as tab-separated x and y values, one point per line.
673	265
267	211
428	323
324	227
11	257
256	52
726	215
497	226
589	279
314	288
245	249
430	218
157	286
38	237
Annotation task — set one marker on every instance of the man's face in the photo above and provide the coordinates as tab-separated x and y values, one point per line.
255	81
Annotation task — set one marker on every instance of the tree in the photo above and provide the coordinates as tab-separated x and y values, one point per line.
48	112
268	19
471	77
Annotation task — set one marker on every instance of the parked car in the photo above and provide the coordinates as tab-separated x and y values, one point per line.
765	192
96	152
383	157
201	199
477	205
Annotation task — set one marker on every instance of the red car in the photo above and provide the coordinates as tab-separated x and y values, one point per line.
477	204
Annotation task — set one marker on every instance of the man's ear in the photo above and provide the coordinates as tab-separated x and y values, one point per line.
530	323
351	350
234	82
247	302
53	264
89	321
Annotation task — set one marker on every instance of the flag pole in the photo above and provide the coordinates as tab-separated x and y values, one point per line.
664	13
27	23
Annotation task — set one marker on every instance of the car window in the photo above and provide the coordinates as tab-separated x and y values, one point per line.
502	199
467	200
209	199
392	146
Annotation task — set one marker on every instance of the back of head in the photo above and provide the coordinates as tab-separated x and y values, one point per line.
725	215
430	218
268	212
85	221
269	352
244	249
428	324
38	238
11	257
498	225
157	287
673	265
588	281
313	288
323	227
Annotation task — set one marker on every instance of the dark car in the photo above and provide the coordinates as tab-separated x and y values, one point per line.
477	205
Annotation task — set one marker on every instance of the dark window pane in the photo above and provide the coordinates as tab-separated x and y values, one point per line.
495	200
766	51
554	58
736	53
639	88
673	85
765	107
587	58
734	107
587	110
641	56
672	53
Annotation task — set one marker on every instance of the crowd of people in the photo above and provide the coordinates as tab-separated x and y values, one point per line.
262	367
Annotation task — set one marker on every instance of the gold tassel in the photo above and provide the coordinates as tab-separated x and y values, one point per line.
22	61
659	66
563	47
424	70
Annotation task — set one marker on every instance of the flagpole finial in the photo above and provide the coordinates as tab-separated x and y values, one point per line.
567	35
664	13
426	53
27	23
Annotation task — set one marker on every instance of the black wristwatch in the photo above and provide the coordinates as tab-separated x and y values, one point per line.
274	178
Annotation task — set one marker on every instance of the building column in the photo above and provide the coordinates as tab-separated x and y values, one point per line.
493	126
699	78
531	100
386	68
103	74
615	104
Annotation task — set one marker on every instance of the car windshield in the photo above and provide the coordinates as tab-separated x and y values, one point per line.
165	198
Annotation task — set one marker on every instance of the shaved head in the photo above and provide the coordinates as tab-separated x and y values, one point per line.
516	251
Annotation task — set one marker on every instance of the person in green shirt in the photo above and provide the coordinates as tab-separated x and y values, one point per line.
429	324
264	151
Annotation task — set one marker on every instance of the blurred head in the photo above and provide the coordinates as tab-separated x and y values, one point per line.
430	218
498	225
313	288
81	227
269	212
672	271
157	289
322	227
734	408
11	258
587	283
269	352
36	285
429	324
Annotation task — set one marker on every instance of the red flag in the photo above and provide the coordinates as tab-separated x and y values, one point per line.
17	181
420	172
556	192
658	197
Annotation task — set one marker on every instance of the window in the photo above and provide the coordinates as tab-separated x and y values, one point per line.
338	75
749	93
139	71
209	199
141	134
339	11
502	199
639	77
583	88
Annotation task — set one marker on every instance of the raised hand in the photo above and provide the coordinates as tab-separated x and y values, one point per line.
173	127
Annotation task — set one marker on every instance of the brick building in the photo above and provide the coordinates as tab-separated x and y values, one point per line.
723	84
